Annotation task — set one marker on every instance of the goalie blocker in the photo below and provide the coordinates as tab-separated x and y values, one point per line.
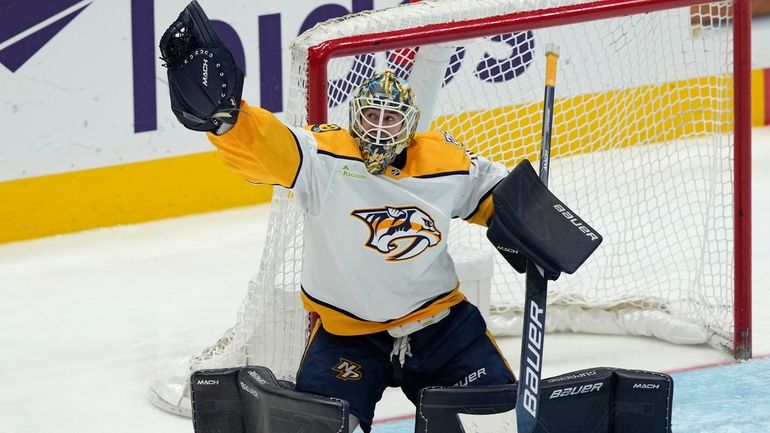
530	222
597	400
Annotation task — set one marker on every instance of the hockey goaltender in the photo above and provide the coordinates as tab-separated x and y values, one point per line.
380	278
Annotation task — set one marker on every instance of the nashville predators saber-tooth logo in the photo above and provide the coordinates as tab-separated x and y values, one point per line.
399	232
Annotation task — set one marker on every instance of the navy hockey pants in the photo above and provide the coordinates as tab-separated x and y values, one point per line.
457	351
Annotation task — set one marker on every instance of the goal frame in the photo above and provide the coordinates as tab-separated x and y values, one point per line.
320	55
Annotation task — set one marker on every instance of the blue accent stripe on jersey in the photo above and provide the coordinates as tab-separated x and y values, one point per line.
301	158
448	173
334	155
332	307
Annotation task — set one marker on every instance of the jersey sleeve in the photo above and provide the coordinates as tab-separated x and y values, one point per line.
264	150
476	205
261	148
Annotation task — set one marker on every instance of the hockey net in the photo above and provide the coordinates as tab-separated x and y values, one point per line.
649	142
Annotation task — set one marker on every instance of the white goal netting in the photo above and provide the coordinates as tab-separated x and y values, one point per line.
642	149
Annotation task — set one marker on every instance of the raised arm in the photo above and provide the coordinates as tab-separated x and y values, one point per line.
260	148
205	87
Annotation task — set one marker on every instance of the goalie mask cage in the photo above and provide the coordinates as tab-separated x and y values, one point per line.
651	145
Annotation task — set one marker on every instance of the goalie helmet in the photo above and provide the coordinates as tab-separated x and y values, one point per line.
383	119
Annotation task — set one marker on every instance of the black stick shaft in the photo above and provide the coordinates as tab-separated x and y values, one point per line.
533	323
545	150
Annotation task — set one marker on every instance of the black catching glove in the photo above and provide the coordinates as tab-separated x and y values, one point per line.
204	82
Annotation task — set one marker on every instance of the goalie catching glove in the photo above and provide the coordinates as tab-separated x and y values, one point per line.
204	82
529	221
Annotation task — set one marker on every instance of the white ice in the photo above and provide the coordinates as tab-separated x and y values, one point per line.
86	318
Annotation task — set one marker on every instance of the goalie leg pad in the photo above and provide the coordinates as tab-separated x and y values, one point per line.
606	400
529	220
597	400
438	407
642	402
250	399
216	401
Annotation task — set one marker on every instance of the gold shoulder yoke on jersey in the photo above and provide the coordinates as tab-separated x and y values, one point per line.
431	154
335	141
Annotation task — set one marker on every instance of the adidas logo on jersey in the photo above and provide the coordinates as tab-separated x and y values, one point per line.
347	172
449	139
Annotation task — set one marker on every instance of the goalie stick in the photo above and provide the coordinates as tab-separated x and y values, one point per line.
533	323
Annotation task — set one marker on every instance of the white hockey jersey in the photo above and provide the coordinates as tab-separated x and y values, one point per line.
375	246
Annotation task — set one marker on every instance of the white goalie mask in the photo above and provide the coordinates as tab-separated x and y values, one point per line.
383	119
